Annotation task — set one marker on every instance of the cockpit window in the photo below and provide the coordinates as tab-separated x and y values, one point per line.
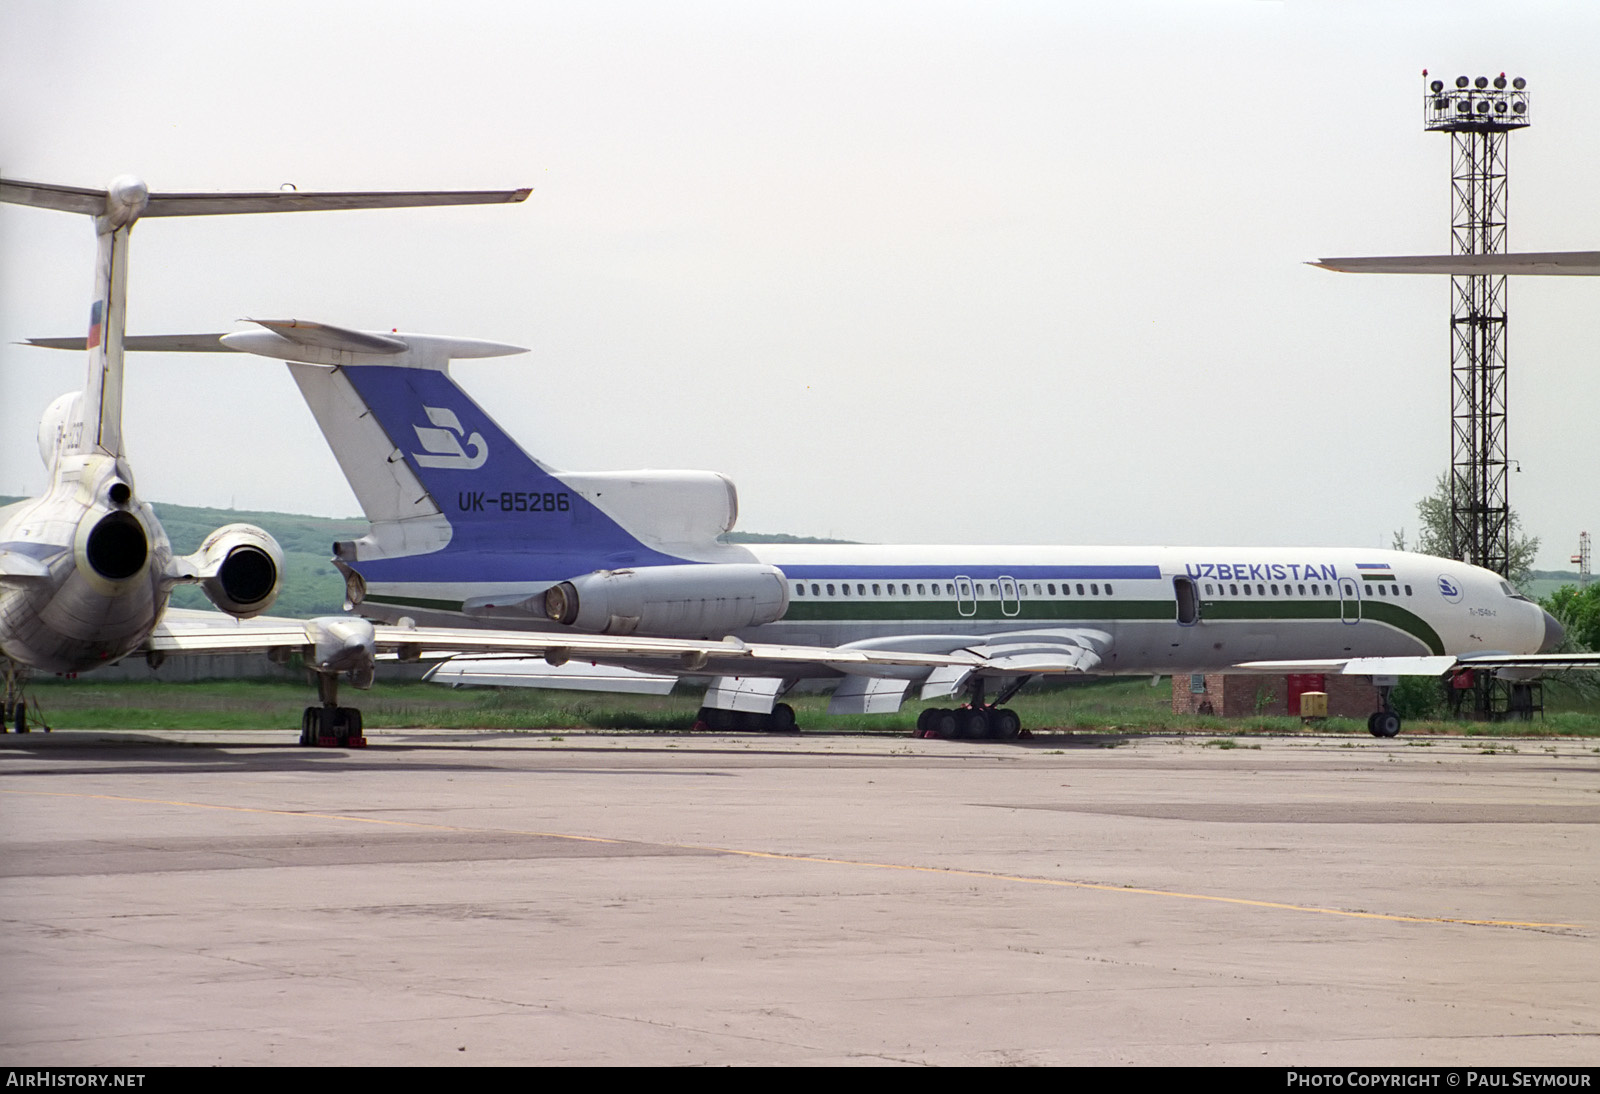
1505	587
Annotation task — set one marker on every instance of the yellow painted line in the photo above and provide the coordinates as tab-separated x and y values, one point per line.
946	871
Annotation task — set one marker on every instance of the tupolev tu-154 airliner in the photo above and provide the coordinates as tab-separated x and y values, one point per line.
618	580
86	568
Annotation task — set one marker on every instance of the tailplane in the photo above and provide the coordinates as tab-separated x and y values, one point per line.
434	472
115	211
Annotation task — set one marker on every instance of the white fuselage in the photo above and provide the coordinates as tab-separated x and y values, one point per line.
103	571
1144	609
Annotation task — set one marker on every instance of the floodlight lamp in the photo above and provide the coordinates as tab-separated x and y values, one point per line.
1499	108
1519	108
1441	103
1519	83
1500	82
1483	108
1463	107
1461	82
1437	86
1481	82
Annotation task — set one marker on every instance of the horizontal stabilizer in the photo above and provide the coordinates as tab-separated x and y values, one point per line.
309	343
322	344
150	343
1548	263
44	195
77	199
327	336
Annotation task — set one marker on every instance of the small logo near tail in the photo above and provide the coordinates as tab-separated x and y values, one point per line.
443	443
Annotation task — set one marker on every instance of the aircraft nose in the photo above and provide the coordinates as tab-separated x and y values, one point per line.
1553	634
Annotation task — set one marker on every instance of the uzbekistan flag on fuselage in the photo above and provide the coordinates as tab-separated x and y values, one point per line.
1375	571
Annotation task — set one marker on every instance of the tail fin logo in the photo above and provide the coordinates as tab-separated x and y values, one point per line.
443	443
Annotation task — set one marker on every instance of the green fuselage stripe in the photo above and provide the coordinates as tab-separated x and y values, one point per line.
1054	611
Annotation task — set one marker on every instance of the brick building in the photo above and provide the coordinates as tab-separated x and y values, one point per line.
1234	695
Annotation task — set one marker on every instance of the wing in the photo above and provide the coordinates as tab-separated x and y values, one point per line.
77	199
1510	665
870	676
1549	263
334	643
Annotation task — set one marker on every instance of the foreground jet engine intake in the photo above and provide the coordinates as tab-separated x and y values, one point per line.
677	601
240	568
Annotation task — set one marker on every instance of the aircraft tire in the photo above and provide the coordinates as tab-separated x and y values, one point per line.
943	723
974	724
308	735
1386	723
719	720
1005	724
21	719
782	719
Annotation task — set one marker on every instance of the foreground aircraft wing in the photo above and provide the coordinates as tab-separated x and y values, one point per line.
872	675
212	632
1507	664
1548	263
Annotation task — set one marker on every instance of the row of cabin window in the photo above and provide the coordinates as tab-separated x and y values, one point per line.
1384	588
1039	589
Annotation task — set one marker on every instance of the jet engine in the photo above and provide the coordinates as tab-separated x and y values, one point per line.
240	568
112	549
704	601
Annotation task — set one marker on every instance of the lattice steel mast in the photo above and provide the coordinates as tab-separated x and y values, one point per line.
1479	115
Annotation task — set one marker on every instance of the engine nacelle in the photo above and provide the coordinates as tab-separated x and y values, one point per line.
706	601
61	423
662	507
240	568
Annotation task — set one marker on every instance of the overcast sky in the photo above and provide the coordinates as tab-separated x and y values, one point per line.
924	272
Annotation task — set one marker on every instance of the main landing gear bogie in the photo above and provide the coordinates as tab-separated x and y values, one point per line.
970	723
975	719
331	727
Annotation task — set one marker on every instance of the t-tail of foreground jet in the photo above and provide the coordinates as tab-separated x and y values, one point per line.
624	571
86	569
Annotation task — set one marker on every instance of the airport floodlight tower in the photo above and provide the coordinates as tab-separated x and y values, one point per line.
1582	560
1479	114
